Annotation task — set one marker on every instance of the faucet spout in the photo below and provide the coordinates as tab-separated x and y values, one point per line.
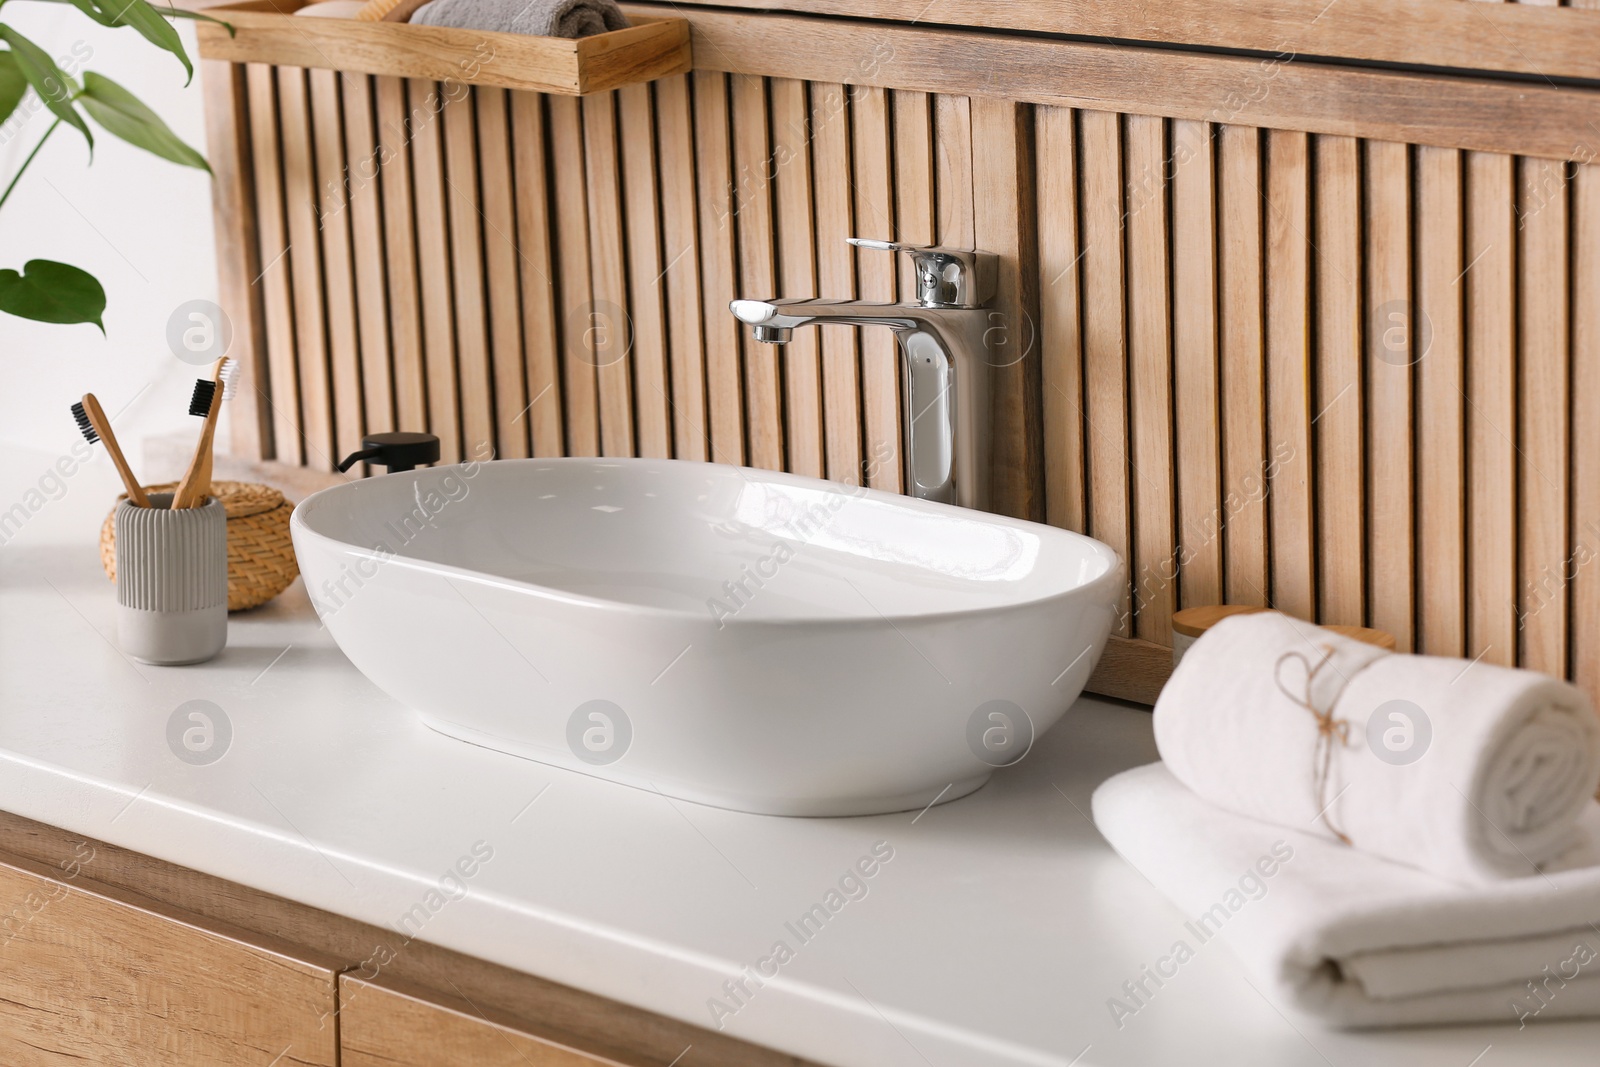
944	359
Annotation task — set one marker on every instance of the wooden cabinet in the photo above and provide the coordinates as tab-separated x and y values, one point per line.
90	975
382	1026
109	958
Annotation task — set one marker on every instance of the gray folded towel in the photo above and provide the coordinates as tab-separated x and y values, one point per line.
538	18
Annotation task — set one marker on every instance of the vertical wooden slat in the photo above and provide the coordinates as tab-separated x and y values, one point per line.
275	278
238	253
681	274
953	144
835	216
1441	389
608	273
757	268
366	237
1289	371
797	274
1196	405
1060	336
1585	566
400	255
1341	550
1242	355
1544	398
339	284
873	149
574	299
1392	334
305	269
916	209
1150	378
433	264
541	334
1492	407
1105	364
719	265
640	180
1004	223
500	274
466	263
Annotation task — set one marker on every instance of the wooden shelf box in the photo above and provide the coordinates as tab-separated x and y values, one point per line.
268	31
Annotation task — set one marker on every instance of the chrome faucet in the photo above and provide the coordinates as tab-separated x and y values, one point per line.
943	336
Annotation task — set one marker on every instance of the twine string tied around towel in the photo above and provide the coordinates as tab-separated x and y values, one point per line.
1331	730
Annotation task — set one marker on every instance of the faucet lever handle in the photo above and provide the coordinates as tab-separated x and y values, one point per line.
946	277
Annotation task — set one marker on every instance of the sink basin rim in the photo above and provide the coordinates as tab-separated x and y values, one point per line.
301	524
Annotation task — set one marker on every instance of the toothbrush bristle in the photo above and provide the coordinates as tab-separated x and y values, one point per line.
84	424
204	392
230	377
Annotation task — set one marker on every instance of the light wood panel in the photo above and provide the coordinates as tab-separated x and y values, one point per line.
681	275
757	268
1443	33
1145	210
719	266
310	347
499	224
276	364
228	141
382	1025
1105	359
96	975
1393	346
363	199
1441	387
1539	118
1241	292
793	195
1289	413
1197	411
608	321
338	260
434	282
1333	367
1060	318
400	254
517	1001
834	212
1337	432
1544	395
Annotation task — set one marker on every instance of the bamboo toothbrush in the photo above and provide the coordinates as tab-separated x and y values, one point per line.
96	427
229	377
207	404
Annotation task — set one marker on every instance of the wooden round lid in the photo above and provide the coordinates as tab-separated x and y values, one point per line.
1192	622
1366	635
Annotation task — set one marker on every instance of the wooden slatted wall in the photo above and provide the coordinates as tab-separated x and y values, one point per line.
1343	375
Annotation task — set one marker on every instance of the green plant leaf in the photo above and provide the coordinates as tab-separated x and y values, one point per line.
142	17
124	115
13	86
54	86
47	291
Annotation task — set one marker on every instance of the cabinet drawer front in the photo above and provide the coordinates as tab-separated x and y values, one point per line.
94	976
382	1027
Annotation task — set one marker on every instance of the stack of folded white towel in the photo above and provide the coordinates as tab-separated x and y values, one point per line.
1422	830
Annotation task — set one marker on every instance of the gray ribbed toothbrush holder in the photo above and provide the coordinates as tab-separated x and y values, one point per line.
172	581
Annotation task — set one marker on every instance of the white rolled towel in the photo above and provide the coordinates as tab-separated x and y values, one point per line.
1470	771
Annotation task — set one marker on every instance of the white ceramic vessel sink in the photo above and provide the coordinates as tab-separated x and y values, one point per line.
752	640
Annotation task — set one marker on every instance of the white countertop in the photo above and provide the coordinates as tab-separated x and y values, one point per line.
995	935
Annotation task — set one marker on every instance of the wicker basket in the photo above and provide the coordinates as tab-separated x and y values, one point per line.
261	561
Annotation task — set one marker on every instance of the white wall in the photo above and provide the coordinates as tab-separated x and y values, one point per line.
138	223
